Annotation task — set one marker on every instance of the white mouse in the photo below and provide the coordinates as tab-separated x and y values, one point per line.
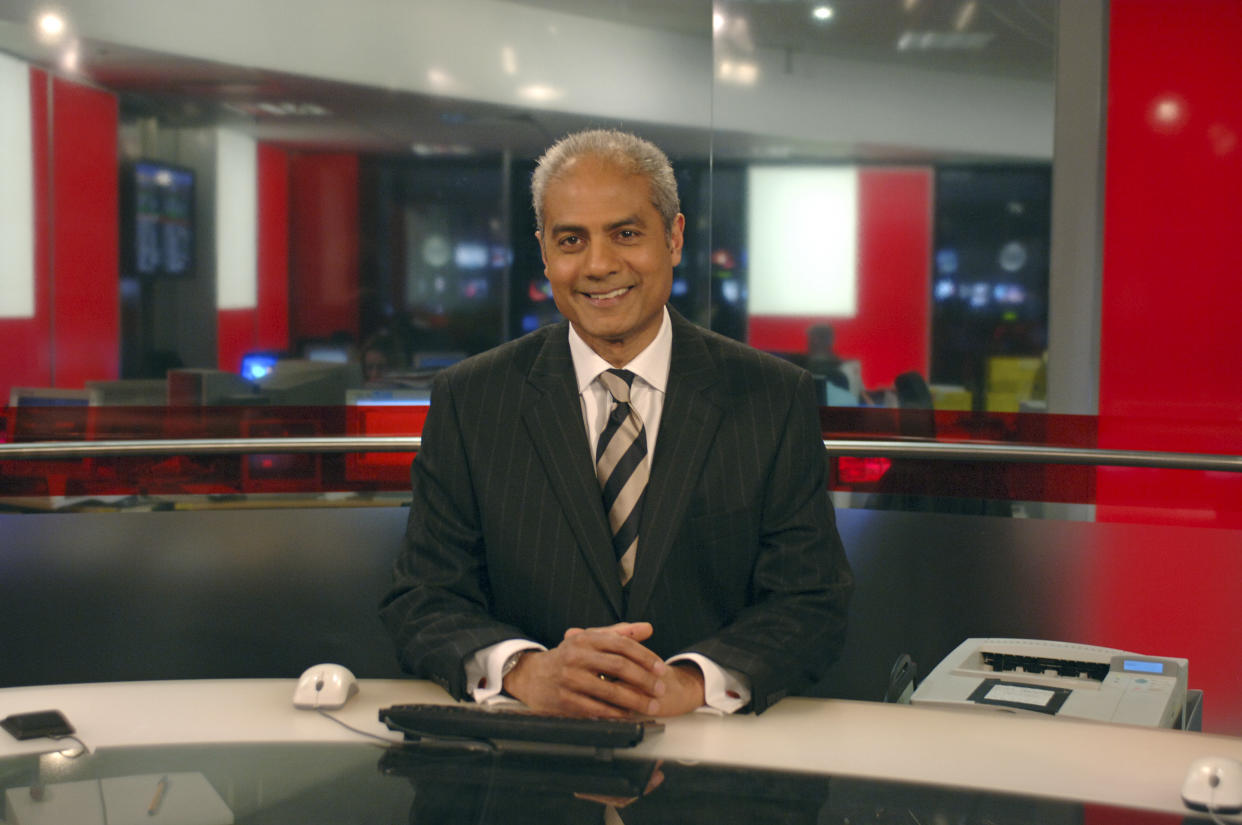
1214	783
325	686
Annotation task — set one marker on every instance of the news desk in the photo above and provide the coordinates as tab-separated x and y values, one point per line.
242	742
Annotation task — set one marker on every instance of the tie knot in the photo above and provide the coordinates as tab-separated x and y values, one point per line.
618	382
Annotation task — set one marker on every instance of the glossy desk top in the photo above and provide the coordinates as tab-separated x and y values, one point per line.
1113	765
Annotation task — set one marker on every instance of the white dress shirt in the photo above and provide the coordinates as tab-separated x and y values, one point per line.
724	690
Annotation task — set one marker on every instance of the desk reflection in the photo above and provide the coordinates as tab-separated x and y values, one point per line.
495	786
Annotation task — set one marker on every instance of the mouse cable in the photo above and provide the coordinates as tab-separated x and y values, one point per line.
352	729
1211	804
71	754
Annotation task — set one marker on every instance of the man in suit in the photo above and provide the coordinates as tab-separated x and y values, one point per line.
720	581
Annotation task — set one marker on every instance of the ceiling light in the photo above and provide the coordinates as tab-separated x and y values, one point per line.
51	24
822	13
741	72
438	78
965	15
1167	113
508	60
429	150
718	22
539	93
943	41
277	108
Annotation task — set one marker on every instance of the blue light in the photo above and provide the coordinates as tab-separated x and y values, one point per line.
255	367
946	261
1134	665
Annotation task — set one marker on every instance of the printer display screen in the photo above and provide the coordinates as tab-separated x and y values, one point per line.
1137	666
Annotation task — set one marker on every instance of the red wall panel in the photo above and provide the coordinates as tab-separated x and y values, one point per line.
235	336
1169	344
272	331
891	330
323	244
86	281
1169	352
75	332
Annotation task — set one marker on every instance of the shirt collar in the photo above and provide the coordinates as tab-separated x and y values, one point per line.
651	364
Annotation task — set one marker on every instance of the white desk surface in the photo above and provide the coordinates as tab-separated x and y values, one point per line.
1107	764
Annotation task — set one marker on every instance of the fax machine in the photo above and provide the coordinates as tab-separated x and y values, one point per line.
1058	679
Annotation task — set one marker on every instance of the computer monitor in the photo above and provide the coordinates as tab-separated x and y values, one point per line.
195	387
256	365
395	397
129	408
131	392
157	219
332	352
301	382
436	360
51	397
852	369
50	413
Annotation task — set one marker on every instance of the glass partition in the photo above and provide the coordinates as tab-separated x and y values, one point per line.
335	205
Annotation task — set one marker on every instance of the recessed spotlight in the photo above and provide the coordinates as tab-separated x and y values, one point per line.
539	93
822	13
51	24
741	72
439	79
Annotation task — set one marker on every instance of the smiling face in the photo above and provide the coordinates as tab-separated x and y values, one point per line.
607	256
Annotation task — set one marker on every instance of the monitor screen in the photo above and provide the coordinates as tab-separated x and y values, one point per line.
256	365
157	214
50	414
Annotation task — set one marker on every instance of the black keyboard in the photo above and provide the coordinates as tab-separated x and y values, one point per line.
467	721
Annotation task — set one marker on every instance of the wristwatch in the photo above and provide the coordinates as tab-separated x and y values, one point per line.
511	663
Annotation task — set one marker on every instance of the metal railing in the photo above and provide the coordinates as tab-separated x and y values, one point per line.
901	449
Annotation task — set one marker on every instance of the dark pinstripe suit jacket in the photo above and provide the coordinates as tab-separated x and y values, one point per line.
738	557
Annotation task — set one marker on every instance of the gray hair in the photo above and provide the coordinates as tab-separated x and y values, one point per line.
629	152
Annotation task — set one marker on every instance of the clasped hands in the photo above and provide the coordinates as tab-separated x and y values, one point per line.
605	672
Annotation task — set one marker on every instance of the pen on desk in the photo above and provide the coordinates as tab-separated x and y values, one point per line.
161	788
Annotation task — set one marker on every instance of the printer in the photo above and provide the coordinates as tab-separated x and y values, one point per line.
1063	679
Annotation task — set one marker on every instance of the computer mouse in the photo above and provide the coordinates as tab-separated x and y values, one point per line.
1214	783
325	686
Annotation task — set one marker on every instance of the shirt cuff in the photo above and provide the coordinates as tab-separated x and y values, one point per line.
724	690
483	679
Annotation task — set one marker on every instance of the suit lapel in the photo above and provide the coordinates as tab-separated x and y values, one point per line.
688	425
553	419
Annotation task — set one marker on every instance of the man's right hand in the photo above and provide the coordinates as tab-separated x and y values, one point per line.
603	671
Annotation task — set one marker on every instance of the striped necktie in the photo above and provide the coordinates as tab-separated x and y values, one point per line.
621	466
